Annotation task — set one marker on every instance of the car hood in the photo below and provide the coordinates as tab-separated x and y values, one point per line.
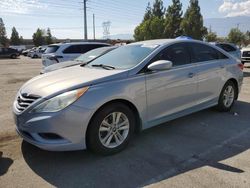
245	49
69	78
60	66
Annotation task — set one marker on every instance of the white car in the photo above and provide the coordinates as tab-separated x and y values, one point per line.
61	52
245	55
37	53
30	51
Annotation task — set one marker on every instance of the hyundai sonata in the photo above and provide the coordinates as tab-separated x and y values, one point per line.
100	106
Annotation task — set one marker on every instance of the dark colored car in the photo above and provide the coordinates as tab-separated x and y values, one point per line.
82	59
9	53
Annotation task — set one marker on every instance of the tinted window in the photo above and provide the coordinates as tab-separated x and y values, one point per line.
11	50
73	49
203	52
51	49
178	54
81	48
226	47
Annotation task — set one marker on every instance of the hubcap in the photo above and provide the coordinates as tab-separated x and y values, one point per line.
114	129
228	96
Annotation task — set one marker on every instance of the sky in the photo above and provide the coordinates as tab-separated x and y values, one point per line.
65	17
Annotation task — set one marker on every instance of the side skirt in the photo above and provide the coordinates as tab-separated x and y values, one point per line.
180	114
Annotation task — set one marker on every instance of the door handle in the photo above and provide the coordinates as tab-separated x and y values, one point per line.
191	75
222	66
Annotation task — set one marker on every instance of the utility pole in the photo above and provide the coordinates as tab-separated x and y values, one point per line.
85	20
94	26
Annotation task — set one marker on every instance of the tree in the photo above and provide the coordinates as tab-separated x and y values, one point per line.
173	20
247	37
192	23
3	36
21	40
38	37
211	36
14	39
158	9
236	36
49	39
150	29
148	13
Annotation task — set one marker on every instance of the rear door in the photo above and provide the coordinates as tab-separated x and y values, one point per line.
210	65
173	90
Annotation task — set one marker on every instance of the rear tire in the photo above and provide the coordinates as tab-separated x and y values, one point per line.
227	97
111	129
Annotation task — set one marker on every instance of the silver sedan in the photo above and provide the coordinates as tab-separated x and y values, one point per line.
101	105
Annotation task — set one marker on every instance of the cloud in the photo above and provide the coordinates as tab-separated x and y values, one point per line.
20	6
235	8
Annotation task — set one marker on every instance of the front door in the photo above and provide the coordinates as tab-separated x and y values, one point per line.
171	91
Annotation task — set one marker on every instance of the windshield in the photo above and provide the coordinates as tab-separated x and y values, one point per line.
51	49
87	57
124	57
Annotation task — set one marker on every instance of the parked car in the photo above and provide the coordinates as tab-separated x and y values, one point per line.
9	53
58	53
37	53
230	48
132	88
31	51
245	57
81	60
25	52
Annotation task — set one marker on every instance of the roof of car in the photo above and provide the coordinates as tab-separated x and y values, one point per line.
165	41
75	43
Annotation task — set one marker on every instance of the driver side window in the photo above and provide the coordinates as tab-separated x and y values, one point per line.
178	54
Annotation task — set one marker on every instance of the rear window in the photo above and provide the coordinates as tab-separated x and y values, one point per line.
226	47
82	48
203	52
51	49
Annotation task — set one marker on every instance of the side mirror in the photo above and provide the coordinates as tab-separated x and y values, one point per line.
160	65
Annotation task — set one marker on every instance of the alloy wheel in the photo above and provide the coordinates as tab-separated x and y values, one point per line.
114	129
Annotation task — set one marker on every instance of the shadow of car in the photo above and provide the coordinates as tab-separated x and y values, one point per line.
191	142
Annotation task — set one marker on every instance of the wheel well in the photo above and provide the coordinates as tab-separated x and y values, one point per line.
127	103
236	85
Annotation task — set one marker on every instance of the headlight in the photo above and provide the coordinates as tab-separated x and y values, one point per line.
60	102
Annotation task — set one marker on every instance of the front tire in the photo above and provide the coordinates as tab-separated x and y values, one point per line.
13	56
111	129
227	97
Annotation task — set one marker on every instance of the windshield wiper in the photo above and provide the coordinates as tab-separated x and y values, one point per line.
107	67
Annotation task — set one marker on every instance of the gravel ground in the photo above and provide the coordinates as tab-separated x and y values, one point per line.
205	149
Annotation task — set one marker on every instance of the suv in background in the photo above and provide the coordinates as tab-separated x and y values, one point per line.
9	53
245	57
61	52
229	48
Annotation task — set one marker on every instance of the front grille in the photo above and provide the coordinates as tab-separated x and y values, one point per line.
24	101
246	54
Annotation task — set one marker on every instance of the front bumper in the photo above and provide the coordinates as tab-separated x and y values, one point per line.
245	59
60	131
